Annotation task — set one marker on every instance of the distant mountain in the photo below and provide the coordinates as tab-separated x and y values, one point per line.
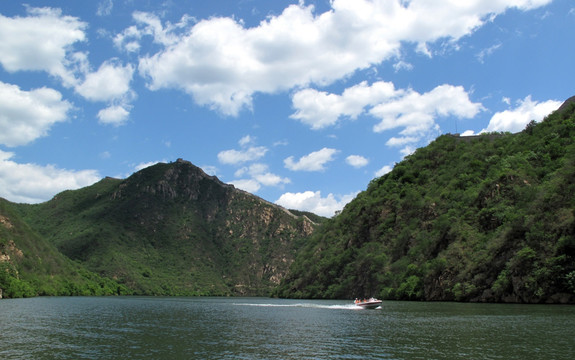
169	229
489	218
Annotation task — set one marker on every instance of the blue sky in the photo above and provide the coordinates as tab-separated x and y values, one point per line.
302	103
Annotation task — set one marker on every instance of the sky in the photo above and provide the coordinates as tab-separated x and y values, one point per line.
302	103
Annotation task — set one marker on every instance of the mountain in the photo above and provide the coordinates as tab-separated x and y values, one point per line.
488	218
169	229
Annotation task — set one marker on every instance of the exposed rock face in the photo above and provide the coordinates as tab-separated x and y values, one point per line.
566	104
4	221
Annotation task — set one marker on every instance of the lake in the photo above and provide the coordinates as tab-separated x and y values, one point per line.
261	328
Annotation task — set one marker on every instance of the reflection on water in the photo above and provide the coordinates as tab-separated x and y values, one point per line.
259	328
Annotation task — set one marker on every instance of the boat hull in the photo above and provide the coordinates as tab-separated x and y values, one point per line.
370	304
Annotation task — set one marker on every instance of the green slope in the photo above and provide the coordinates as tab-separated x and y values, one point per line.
486	218
30	266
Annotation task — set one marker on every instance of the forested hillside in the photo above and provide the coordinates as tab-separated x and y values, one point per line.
485	218
169	229
30	265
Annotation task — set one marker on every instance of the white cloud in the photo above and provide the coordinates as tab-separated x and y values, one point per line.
384	170
468	133
402	65
234	157
113	115
31	183
408	150
356	161
111	81
259	175
210	170
255	175
400	141
321	109
249	185
269	179
246	140
128	40
146	164
314	161
414	112
28	115
314	202
298	47
42	41
516	119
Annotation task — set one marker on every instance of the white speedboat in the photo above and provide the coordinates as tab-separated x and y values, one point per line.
371	303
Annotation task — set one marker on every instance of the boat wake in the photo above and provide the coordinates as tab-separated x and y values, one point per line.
305	305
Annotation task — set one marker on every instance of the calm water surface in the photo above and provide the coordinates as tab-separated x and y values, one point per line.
260	328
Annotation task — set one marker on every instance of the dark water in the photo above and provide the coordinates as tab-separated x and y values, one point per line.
260	328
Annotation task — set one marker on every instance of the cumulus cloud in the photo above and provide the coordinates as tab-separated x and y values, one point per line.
28	115
414	112
254	175
402	65
516	119
249	185
151	25
314	161
313	202
222	63
42	41
114	115
356	161
234	157
320	109
31	183
260	173
111	81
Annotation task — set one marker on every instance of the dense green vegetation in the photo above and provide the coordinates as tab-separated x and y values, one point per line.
486	218
30	266
169	229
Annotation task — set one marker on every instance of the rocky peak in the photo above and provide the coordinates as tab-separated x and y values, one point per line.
566	104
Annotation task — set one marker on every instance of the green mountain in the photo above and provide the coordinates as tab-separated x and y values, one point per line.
486	218
169	229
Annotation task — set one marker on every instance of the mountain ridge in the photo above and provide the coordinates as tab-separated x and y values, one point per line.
171	229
